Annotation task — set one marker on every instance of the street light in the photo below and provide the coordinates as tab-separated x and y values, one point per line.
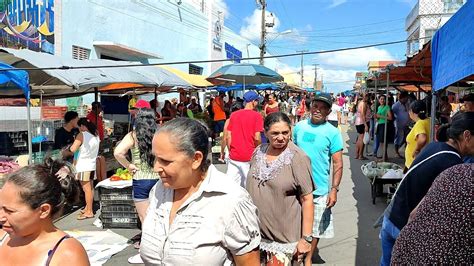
278	34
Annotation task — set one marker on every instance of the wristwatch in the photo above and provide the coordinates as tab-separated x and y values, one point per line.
336	188
308	239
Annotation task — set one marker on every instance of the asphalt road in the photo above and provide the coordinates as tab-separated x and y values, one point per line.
356	241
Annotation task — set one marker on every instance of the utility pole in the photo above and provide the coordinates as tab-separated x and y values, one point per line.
302	68
316	76
322	84
263	5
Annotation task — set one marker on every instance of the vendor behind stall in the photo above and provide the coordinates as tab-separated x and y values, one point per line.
65	135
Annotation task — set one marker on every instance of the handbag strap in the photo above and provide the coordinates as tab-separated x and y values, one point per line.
423	161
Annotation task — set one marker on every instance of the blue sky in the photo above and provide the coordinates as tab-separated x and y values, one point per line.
323	25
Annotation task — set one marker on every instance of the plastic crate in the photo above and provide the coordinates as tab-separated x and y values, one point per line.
116	196
120	208
119	216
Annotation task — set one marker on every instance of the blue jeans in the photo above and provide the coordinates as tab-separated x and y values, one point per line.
376	145
372	128
388	235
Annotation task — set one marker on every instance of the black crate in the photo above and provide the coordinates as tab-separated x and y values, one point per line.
119	216
115	196
122	208
119	222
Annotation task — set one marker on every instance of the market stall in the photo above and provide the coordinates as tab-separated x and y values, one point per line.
452	53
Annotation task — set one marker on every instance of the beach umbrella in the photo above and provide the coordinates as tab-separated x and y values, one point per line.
245	74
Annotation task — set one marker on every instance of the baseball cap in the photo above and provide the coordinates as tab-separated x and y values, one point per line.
251	96
142	104
323	97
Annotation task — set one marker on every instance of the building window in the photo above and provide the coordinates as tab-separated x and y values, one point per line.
80	53
429	33
451	6
108	57
193	69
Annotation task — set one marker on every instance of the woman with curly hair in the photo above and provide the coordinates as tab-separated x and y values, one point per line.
138	142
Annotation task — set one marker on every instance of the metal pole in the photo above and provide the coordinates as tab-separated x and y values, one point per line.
28	115
302	70
385	144
262	33
434	101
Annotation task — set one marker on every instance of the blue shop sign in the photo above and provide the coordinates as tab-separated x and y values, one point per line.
233	53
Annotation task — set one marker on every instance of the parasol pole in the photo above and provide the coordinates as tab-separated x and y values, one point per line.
385	144
28	115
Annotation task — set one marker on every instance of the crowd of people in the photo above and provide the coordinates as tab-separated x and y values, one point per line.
274	203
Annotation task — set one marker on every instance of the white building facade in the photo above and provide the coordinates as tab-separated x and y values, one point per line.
426	17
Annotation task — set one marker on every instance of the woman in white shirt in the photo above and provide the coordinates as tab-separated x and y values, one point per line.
197	214
87	142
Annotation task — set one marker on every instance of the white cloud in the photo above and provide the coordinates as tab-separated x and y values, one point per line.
334	80
335	3
221	4
252	25
353	58
252	29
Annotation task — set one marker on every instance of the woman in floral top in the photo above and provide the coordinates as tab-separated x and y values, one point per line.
281	187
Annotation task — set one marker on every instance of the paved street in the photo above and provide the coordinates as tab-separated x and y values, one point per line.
356	241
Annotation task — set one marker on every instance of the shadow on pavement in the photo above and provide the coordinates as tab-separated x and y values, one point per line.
368	250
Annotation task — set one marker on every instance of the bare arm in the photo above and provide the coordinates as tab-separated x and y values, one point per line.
308	214
336	178
248	259
121	151
257	139
69	251
77	143
421	140
389	115
224	139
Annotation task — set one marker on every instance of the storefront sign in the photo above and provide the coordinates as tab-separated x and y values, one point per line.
233	53
217	32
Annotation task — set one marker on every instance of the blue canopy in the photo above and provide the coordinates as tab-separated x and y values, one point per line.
452	49
14	79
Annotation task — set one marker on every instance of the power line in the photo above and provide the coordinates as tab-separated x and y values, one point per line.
355	26
343	35
214	60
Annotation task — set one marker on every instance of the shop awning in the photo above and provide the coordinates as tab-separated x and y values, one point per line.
117	48
195	80
66	82
453	49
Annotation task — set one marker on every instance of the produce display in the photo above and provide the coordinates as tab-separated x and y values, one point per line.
378	169
121	174
7	166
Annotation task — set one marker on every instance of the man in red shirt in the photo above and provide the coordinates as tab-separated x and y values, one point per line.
243	137
96	118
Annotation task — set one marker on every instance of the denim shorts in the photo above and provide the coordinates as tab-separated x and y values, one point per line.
142	188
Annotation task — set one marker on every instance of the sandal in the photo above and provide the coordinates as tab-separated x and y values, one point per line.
136	245
84	217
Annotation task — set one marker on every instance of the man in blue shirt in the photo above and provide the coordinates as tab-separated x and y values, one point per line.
402	118
322	142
